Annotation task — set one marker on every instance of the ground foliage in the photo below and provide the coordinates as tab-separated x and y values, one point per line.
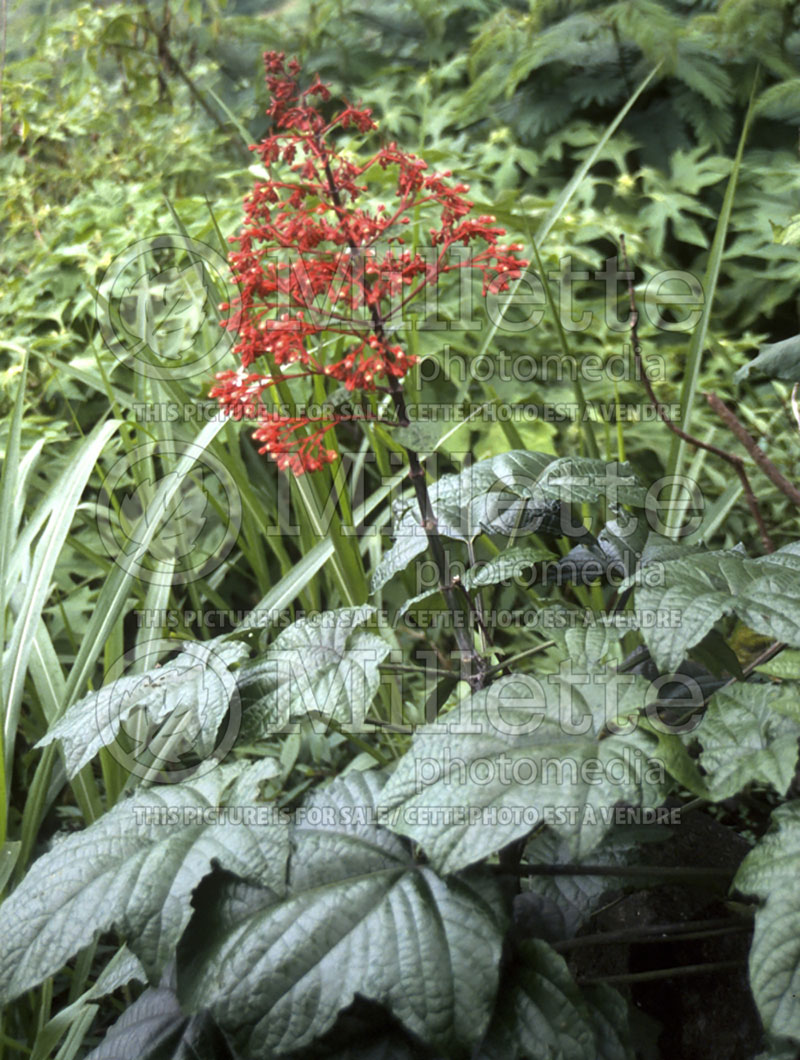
358	915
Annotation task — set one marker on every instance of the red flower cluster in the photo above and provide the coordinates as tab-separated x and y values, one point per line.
324	275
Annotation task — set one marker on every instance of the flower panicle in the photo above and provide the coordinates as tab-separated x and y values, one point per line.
323	273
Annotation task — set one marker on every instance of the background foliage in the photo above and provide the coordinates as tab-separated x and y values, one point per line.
120	121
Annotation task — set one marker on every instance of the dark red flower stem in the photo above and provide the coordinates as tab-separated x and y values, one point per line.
475	664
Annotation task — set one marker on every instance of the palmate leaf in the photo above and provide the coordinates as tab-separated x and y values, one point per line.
360	917
519	753
543	1013
771	871
321	665
512	493
194	690
746	737
458	503
135	870
556	907
155	1028
693	593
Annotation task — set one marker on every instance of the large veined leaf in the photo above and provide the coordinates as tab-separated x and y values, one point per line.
511	493
556	907
505	567
746	736
324	665
155	1028
586	638
360	917
521	753
458	503
194	692
135	870
542	1013
679	600
575	480
771	871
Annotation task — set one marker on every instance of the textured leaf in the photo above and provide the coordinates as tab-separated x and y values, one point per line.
155	1028
520	753
153	1022
677	608
771	871
577	480
556	907
194	691
583	637
513	492
361	916
781	102
135	870
746	737
506	566
323	664
543	1013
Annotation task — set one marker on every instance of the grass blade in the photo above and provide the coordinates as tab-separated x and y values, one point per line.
563	199
677	453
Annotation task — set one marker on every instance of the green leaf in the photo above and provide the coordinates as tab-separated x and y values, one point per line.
64	497
517	491
360	916
542	1012
557	907
778	360
323	664
747	738
771	871
134	870
786	665
193	692
679	600
155	1028
780	102
458	503
698	342
520	753
579	480
508	565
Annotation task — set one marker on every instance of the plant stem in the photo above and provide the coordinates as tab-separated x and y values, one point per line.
665	973
475	672
666	871
674	932
753	448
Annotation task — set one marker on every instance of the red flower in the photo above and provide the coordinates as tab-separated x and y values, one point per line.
316	263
